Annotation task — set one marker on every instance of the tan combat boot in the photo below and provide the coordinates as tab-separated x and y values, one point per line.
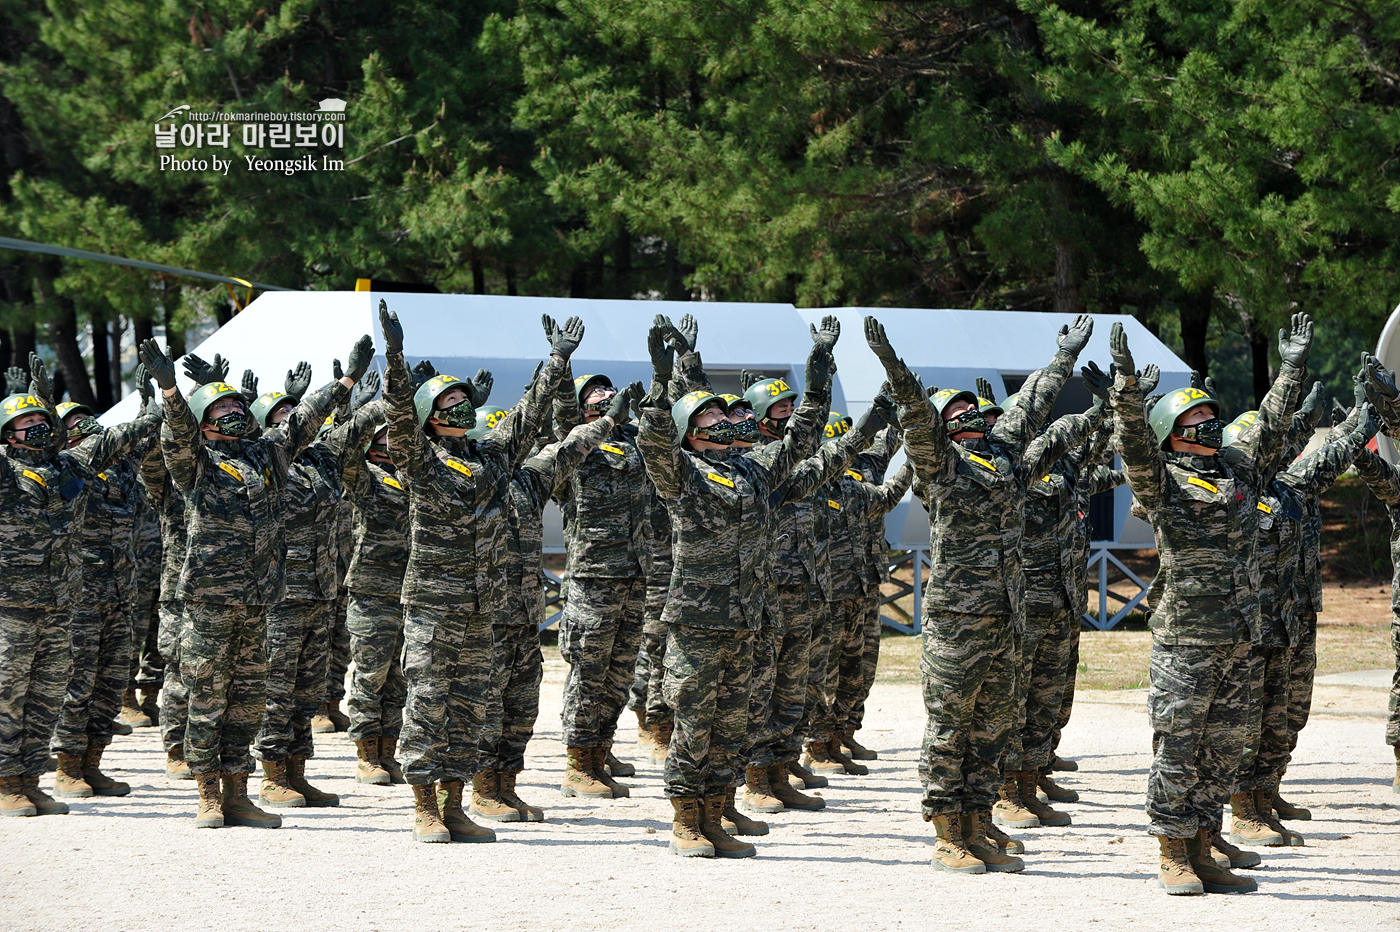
388	747
1286	810
686	838
1213	877
854	748
296	779
276	791
1231	856
486	799
1053	792
758	795
724	844
664	730
132	714
1263	806
176	767
848	766
367	766
1065	766
1025	786
984	848
339	720
735	822
1002	840
803	779
150	702
427	823
43	802
1009	810
321	723
1247	828
528	813
211	802
616	768
788	795
598	768
949	853
68	782
102	785
579	779
819	760
239	809
1174	873
461	828
13	800
646	735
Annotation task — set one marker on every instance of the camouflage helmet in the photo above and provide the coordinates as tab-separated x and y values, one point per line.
1009	401
763	395
1173	406
1238	426
425	399
942	399
85	427
584	382
17	406
987	406
262	409
486	420
734	401
205	395
66	408
688	405
326	427
837	426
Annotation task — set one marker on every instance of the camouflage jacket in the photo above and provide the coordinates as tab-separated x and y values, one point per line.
379	539
108	534
870	466
459	496
169	505
43	503
234	500
147	541
1203	513
975	494
852	506
344	534
311	521
1384	480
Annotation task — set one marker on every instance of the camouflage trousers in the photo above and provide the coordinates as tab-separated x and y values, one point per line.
707	685
298	649
814	727
223	663
869	664
36	660
843	650
1040	688
147	663
339	662
1302	668
645	695
517	667
174	696
377	688
1392	724
1197	702
780	737
762	678
447	663
969	676
600	631
1266	737
101	645
1071	677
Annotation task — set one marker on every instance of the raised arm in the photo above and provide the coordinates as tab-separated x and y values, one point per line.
1314	474
661	451
926	441
520	425
408	445
1019	426
1263	440
885	496
1142	458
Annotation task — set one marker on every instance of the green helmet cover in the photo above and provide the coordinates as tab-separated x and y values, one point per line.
987	406
584	382
17	406
486	420
262	409
1009	401
688	404
1238	426
947	396
837	426
425	399
205	395
66	408
1173	406
763	395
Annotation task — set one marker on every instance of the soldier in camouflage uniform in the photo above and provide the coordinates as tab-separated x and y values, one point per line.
973	481
234	487
329	717
455	583
147	664
1203	508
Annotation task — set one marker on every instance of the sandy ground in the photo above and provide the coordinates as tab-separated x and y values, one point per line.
138	863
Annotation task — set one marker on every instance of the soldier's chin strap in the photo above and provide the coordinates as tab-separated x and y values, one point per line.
1205	434
777	426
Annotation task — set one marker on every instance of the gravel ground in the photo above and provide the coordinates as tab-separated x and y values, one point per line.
138	863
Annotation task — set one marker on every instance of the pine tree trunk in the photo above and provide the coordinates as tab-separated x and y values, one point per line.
101	366
1259	353
1194	314
63	334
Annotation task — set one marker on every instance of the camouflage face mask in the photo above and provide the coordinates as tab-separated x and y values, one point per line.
37	436
88	426
747	431
722	433
461	415
601	407
1206	434
776	425
237	424
971	421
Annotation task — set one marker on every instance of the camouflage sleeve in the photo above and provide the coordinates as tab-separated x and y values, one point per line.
821	467
1347	426
804	431
1262	442
150	469
181	443
1018	427
1104	479
567	415
302	425
103	450
882	450
1314	474
661	452
690	375
574	449
885	496
1064	434
1382	478
354	477
408	445
1142	458
518	428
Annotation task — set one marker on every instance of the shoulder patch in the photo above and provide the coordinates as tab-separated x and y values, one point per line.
722	480
1193	480
392	483
460	467
987	464
231	471
36	477
609	448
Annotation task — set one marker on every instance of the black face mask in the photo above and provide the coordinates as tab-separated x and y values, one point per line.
237	424
747	431
1207	433
461	415
38	436
599	407
777	426
722	433
972	421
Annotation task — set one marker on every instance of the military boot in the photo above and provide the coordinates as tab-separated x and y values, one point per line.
1395	787
102	785
664	730
276	792
1025	785
120	727
984	848
598	761
486	799
1213	877
988	828
449	799
854	749
686	837
68	782
367	766
239	809
616	768
736	823
724	844
339	720
211	802
427	823
819	759
788	795
13	800
43	802
132	713
949	852
579	779
388	747
1059	763
1053	791
1286	810
176	767
1263	806
1247	828
506	791
1231	856
848	766
758	795
321	723
1009	811
1174	872
803	779
646	735
150	702
296	779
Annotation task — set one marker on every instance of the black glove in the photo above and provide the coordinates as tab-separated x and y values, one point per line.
155	361
820	367
1368	423
747	379
1380	381
39	385
1072	338
830	332
422	371
564	340
299	380
366	390
1311	406
884	403
336	372
361	355
688	332
1148	379
393	330
481	387
617	407
1293	345
1339	412
871	422
203	373
16	381
1096	380
534	377
660	349
880	343
1118	348
143	384
250	385
984	389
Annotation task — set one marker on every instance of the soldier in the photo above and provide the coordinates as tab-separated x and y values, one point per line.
973	481
147	664
234	485
1205	608
455	582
